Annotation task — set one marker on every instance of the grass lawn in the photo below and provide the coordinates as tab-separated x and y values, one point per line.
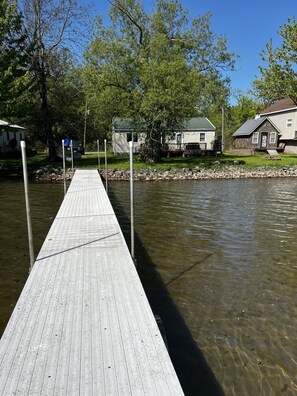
90	160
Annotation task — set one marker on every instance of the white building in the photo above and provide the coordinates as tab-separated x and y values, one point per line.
195	130
10	136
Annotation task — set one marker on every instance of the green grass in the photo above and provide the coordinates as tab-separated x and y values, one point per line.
90	160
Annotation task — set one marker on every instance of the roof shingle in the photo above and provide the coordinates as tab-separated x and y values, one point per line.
283	104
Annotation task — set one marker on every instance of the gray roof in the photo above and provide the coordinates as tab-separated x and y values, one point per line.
249	127
127	125
190	124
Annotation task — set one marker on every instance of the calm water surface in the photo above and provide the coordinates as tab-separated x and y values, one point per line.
45	200
218	263
226	253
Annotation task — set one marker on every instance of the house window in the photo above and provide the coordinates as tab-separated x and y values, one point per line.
255	138
130	135
289	123
272	138
202	137
295	135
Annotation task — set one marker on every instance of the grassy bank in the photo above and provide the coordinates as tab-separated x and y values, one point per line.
90	160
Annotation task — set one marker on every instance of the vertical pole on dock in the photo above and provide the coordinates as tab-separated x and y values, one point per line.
71	147
132	199
98	149
223	143
64	166
105	150
28	210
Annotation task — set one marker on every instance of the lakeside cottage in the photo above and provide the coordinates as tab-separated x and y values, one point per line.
198	130
274	128
10	137
257	134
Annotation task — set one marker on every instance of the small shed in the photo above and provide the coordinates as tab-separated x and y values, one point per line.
257	134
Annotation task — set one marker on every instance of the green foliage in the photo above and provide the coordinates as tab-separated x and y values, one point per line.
279	78
158	68
13	57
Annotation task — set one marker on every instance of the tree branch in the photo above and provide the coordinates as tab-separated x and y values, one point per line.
131	19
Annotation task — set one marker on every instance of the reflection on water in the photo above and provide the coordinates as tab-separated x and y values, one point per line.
218	262
227	252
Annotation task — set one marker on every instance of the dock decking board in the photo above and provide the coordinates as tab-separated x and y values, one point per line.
83	325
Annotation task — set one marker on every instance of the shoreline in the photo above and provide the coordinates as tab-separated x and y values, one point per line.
49	174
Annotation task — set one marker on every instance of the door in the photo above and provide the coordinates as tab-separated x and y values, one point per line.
264	139
178	140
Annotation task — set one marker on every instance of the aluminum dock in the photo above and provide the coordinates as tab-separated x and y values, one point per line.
83	325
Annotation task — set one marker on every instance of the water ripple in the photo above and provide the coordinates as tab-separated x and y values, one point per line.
227	251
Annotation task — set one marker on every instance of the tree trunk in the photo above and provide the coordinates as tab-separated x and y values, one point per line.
44	108
151	150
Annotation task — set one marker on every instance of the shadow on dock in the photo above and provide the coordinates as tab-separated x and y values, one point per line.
194	373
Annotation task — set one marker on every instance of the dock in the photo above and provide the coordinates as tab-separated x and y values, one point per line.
83	324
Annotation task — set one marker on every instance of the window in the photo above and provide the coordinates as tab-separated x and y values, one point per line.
130	135
289	123
255	138
272	137
295	135
202	137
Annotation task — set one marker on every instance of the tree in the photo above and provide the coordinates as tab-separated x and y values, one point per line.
52	26
13	57
156	69
279	79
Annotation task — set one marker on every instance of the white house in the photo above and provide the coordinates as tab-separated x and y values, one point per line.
195	130
10	136
283	114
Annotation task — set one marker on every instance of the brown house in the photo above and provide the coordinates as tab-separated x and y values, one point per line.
257	134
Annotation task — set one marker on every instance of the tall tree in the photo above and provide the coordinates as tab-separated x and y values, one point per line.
13	58
279	78
156	68
52	25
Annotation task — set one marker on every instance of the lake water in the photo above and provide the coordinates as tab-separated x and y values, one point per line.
218	263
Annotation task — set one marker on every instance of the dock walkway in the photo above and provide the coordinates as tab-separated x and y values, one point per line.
83	325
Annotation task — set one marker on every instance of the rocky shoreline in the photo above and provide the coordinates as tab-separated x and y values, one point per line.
49	174
203	174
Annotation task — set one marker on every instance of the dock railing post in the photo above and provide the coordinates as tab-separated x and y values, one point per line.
105	150
132	199
71	147
64	166
98	149
28	210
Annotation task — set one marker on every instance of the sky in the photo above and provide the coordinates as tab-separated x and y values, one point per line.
248	26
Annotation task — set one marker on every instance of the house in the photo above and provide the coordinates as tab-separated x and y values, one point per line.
283	114
197	130
257	134
10	136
